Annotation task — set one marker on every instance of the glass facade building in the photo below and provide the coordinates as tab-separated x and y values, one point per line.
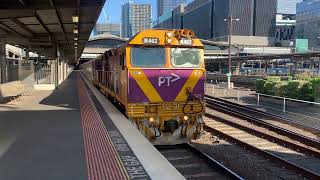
308	22
206	18
257	17
168	5
135	18
287	6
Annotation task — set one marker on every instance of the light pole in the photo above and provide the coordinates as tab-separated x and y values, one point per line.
229	20
319	61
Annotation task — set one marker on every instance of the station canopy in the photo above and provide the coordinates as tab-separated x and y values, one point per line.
42	25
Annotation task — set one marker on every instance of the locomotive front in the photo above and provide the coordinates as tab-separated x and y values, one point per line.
166	85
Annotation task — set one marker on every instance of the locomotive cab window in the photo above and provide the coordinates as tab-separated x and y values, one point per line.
148	57
185	57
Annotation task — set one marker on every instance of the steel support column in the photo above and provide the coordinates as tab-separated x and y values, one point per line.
266	67
318	66
3	61
238	67
27	54
56	81
295	67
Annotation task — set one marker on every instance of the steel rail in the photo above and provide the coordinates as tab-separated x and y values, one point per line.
281	142
301	125
211	161
274	158
225	109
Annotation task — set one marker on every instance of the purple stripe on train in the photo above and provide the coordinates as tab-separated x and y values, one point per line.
198	90
168	84
135	94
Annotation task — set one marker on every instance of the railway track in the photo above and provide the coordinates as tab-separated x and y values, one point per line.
264	115
303	156
232	110
194	164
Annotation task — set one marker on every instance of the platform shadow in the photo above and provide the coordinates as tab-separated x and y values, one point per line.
41	145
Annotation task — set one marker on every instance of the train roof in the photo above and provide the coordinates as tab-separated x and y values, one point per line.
160	37
165	37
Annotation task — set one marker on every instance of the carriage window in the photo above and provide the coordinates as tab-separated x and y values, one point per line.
185	57
147	57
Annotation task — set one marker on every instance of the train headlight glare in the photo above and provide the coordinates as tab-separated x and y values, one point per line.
185	118
151	119
169	34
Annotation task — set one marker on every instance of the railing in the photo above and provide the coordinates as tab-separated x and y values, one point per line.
44	74
220	90
284	99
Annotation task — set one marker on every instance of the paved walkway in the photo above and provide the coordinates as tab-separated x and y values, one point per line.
41	137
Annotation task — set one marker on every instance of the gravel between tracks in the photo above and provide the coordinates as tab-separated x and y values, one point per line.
241	161
285	126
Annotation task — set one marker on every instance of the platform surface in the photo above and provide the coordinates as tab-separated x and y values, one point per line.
74	133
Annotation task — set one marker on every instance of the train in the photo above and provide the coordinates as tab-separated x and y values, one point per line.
157	78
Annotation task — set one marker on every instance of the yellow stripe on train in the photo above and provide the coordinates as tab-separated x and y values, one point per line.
191	83
145	85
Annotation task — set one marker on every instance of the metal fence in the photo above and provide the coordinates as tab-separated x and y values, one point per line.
249	97
284	100
44	74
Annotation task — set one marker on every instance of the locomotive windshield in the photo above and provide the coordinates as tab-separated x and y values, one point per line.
185	57
147	57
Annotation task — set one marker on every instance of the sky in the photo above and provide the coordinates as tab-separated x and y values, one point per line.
112	9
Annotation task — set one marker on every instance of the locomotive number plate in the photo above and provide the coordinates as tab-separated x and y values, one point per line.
150	40
185	41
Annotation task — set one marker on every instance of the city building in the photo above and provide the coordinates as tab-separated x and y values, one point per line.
107	28
308	22
286	22
164	6
135	18
285	29
206	18
199	16
172	19
287	6
256	17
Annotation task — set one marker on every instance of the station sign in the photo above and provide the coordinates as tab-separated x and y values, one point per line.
150	40
185	41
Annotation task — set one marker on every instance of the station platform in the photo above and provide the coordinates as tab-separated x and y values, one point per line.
74	132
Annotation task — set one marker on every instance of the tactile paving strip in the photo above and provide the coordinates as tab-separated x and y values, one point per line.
107	153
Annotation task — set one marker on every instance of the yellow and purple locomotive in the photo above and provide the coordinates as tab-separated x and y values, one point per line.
158	79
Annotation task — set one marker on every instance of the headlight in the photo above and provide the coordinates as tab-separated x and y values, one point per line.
151	119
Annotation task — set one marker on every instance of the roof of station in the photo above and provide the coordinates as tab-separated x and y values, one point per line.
103	42
213	48
108	37
40	24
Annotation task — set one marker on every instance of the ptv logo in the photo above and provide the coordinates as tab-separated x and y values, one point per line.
167	80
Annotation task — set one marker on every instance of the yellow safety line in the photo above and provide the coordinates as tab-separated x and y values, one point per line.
191	82
146	86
